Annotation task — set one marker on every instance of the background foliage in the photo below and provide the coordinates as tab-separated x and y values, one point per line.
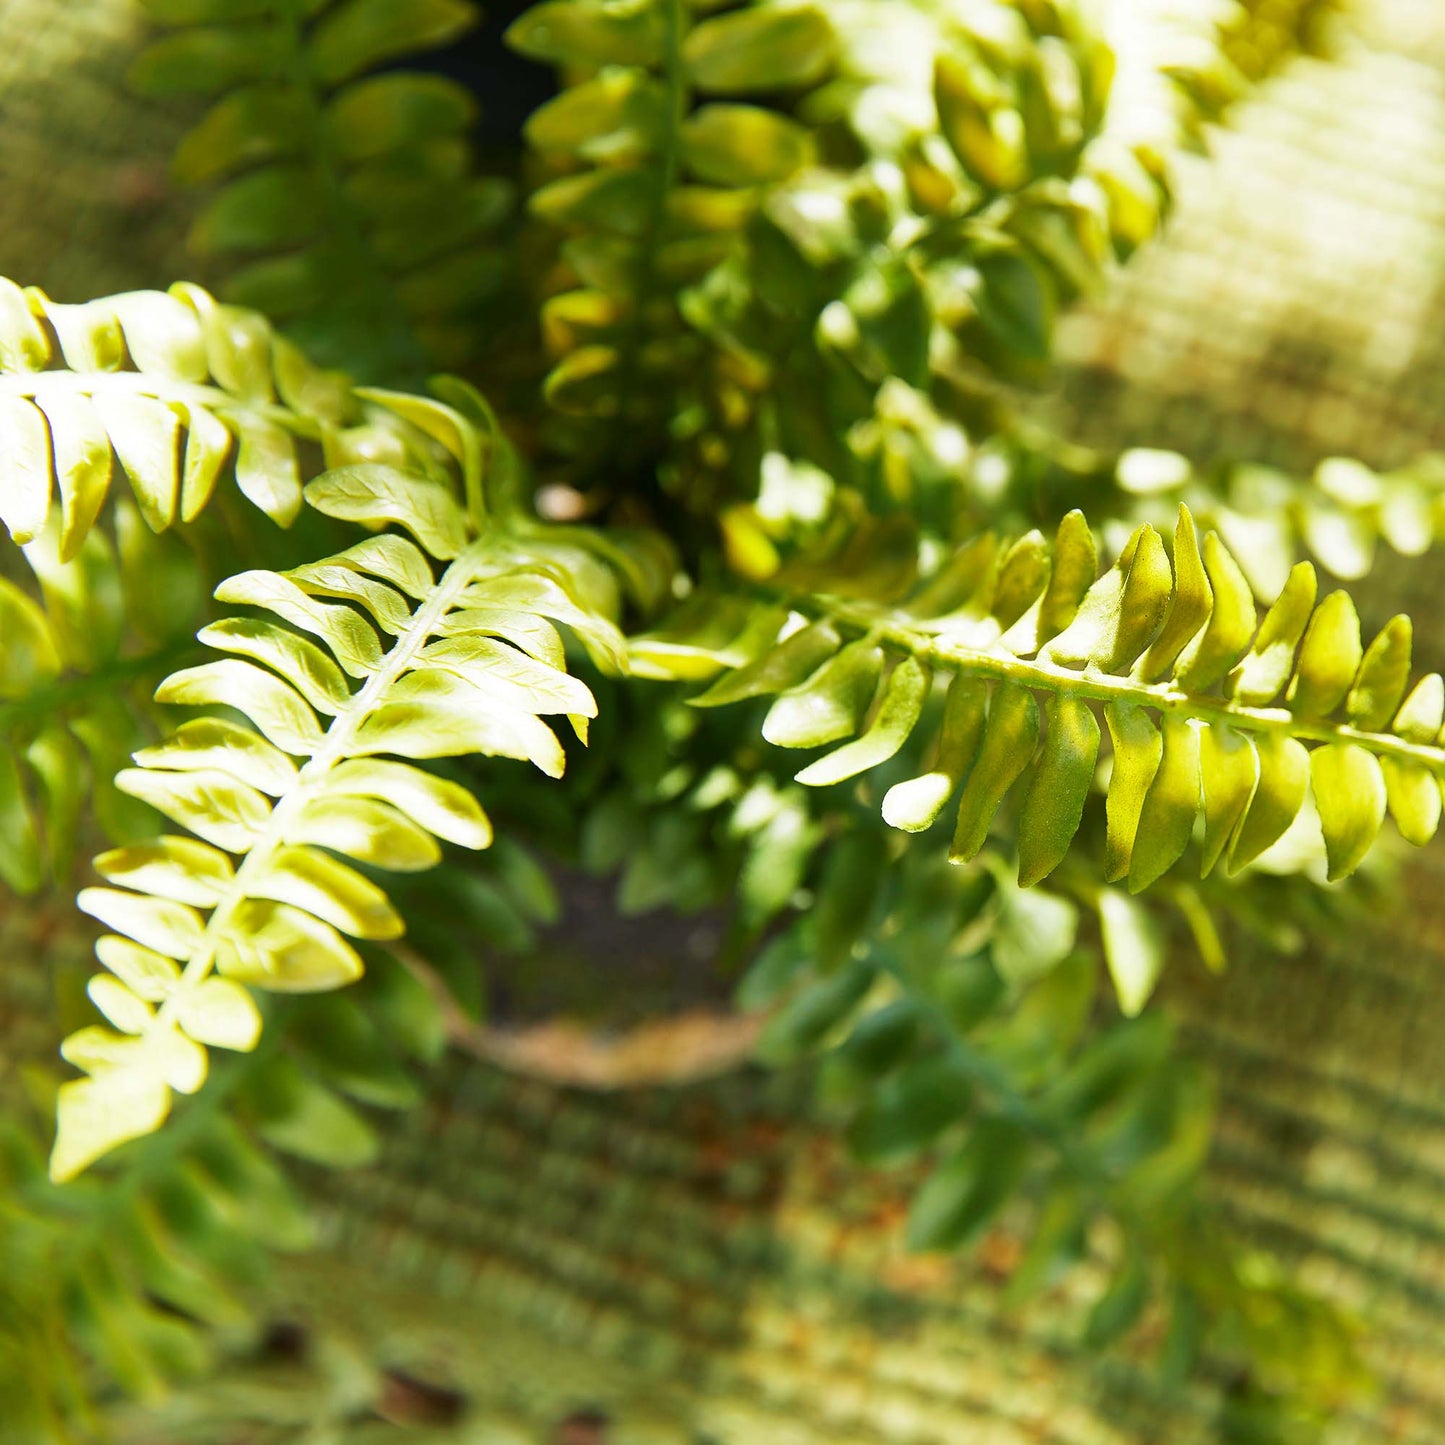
789	348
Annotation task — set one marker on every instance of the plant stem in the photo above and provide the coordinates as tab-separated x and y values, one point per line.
1104	687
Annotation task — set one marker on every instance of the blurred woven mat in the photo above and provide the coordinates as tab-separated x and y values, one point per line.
82	165
702	1265
1297	306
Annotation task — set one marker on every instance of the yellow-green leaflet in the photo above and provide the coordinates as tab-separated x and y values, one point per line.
1133	949
371	492
1009	738
916	804
1049	815
130	1014
442	719
173	929
182	869
93	1116
898	712
437	804
1122	611
1413	795
217	745
744	145
280	712
146	435
304	665
266	470
284	949
328	889
1138	747
1229	767
988	154
829	704
212	804
219	1013
1349	791
1230	628
82	464
613	112
439	421
1022	577
1166	820
791	662
148	974
1191	606
394	560
1284	775
24	468
533	635
1075	565
1267	666
1383	677
508	676
24	345
352	642
1422	713
387	606
760	49
208	449
1329	657
1145	602
366	830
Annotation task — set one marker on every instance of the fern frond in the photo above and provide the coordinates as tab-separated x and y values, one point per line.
405	665
923	192
343	186
1211	712
181	392
664	148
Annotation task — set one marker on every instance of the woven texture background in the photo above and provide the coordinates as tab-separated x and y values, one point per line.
705	1265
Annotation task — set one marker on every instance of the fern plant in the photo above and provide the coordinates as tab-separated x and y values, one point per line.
795	269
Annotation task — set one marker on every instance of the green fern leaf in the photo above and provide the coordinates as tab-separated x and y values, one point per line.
444	682
1149	639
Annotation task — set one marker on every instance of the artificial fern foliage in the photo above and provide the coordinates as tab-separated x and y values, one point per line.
767	560
1236	699
450	683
